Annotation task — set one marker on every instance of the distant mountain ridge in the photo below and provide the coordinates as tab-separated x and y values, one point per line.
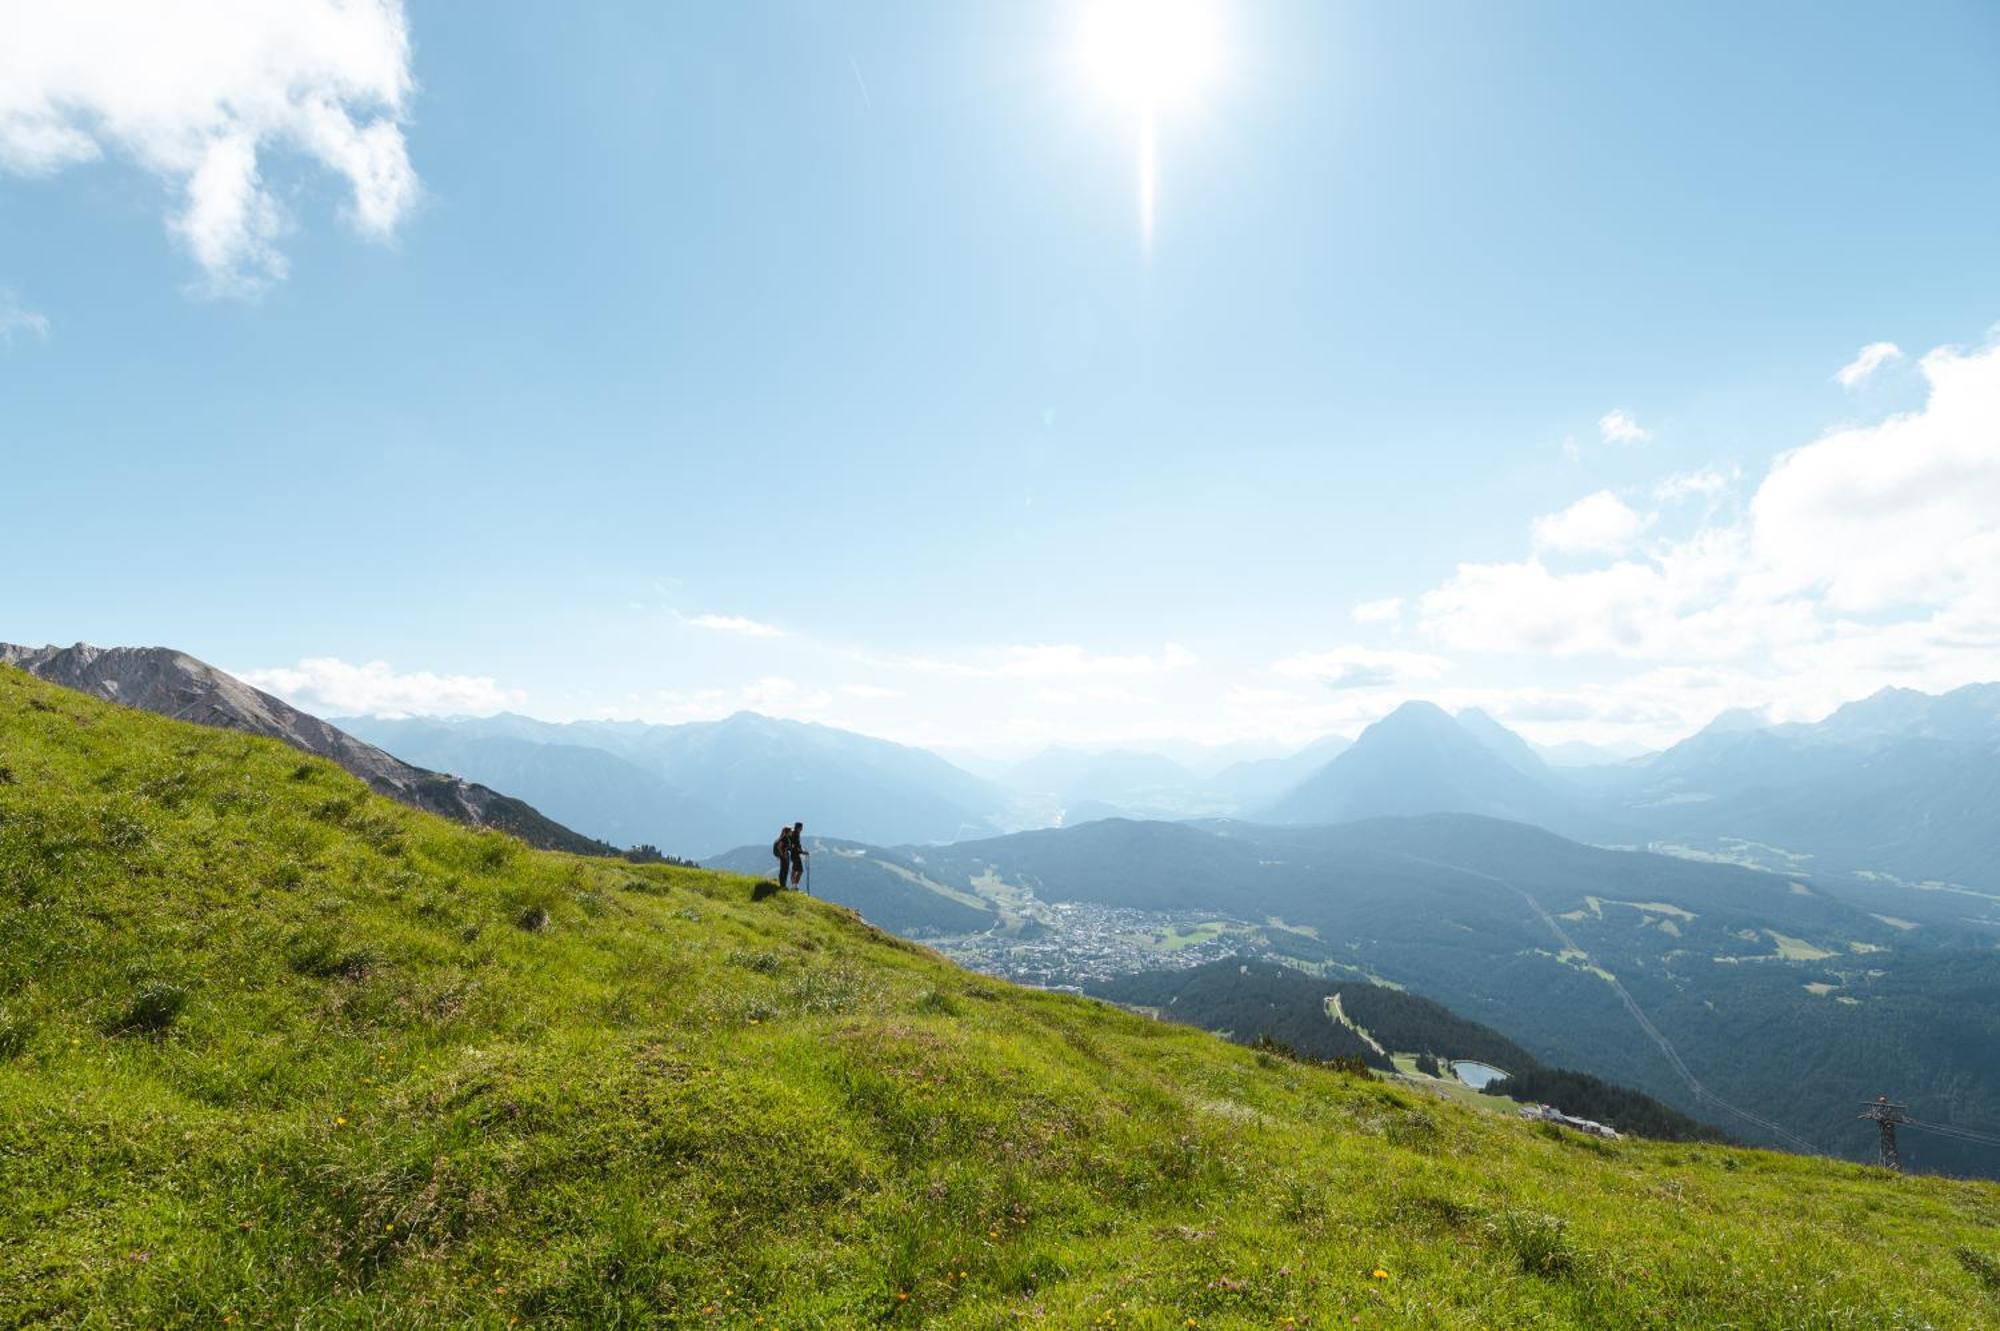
1901	782
173	684
1420	759
702	788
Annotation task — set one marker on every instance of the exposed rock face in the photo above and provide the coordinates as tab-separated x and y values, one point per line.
171	683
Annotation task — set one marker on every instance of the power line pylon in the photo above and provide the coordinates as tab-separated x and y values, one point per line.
1886	1116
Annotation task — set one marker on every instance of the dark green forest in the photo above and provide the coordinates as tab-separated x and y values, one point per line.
1249	999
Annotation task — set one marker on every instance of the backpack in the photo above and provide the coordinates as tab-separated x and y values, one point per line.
783	845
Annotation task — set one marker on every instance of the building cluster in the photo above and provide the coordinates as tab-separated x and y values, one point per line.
1550	1114
1070	944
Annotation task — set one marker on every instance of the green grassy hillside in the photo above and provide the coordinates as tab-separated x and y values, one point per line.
275	1051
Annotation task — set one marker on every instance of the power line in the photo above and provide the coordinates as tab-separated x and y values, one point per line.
1954	1130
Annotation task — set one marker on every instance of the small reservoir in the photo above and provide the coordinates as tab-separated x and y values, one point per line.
1476	1075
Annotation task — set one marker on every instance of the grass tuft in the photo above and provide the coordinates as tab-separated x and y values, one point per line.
1984	1269
1540	1243
151	1011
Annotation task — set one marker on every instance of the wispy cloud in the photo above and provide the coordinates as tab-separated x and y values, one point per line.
1385	611
737	624
1618	427
329	686
1704	483
1067	661
1361	668
18	319
1866	361
206	95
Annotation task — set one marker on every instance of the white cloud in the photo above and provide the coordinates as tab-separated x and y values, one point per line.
1866	361
1601	523
870	691
206	94
1902	513
1360	668
1618	427
737	624
18	318
329	686
1870	556
1705	483
1385	611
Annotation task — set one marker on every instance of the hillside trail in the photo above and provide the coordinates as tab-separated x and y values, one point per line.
1694	1084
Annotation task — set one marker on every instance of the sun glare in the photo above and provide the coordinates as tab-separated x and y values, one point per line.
1150	54
1150	57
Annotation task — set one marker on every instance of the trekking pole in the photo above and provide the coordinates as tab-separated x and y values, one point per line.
809	875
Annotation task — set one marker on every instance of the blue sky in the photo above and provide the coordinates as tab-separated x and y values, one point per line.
660	360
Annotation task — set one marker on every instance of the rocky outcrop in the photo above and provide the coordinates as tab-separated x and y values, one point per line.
171	683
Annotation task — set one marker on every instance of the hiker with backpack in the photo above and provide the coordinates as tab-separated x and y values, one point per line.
799	852
790	851
782	848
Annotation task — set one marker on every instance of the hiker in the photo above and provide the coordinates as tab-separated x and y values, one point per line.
799	853
782	848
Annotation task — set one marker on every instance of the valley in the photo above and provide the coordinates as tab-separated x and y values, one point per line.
1706	985
1719	978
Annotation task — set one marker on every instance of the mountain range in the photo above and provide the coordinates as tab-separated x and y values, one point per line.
174	684
1898	786
1421	759
704	787
1900	783
276	1051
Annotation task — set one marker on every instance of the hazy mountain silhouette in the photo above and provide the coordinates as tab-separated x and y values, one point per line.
1256	782
590	789
1509	747
1116	776
1901	782
1419	759
747	773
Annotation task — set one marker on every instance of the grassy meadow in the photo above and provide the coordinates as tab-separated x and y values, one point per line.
277	1052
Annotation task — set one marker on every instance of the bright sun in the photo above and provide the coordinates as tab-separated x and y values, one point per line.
1150	56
